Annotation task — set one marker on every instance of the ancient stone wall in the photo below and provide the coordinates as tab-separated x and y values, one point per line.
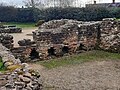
73	36
10	29
60	37
6	40
19	76
24	50
26	42
110	35
88	35
65	36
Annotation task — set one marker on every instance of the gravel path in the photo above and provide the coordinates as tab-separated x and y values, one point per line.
103	75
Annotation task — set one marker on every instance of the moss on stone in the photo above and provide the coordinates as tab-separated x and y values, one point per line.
13	67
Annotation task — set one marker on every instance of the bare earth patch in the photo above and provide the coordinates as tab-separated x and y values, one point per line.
23	35
97	75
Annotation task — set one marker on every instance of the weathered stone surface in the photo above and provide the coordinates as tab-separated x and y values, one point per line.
64	37
6	40
19	76
26	42
24	79
110	35
8	63
58	37
10	29
22	52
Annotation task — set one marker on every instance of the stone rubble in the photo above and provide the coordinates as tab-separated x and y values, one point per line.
19	76
26	42
22	52
10	29
6	40
110	35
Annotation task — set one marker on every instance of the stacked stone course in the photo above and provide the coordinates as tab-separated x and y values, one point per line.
69	34
19	75
10	29
110	35
6	40
62	37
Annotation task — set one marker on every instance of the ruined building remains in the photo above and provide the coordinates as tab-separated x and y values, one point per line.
9	29
58	37
6	40
63	37
110	35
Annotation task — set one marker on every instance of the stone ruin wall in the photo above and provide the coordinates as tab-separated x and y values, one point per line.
68	37
71	34
19	76
88	35
110	35
56	40
24	49
6	40
77	36
9	29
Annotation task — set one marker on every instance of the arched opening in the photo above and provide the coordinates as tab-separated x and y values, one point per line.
34	54
51	51
65	49
81	47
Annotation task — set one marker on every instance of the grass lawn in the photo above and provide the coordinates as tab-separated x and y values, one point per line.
80	58
21	25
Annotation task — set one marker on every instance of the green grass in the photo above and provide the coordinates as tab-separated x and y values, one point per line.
80	58
117	19
1	66
21	25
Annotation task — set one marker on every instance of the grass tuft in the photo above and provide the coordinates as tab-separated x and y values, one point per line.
80	58
21	25
2	68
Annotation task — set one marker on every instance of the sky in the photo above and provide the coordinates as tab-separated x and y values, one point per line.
20	2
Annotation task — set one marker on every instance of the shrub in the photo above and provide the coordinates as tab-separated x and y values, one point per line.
40	22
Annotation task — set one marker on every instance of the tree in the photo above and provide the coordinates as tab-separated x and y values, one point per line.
3	4
34	3
61	3
7	13
66	3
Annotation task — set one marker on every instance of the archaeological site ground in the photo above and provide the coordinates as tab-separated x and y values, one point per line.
68	54
59	45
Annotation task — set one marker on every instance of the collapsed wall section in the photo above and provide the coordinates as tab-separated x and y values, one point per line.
110	35
6	40
69	36
60	37
88	34
10	29
19	76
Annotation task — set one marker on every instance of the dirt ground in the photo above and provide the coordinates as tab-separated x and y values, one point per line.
23	35
99	75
